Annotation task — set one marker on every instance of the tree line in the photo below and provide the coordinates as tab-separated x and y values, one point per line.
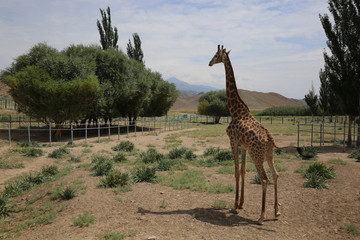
91	82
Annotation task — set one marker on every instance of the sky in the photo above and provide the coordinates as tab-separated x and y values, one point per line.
276	45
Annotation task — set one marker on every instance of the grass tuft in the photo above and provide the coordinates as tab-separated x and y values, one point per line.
84	220
59	153
125	146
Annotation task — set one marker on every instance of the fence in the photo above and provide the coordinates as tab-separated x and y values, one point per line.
38	131
7	103
323	134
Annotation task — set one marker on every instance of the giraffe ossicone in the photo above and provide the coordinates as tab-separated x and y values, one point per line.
248	134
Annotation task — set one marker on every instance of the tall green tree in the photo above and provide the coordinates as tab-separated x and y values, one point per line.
342	66
311	100
108	34
51	86
134	50
214	104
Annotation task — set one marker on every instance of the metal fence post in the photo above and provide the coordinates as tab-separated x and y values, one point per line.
98	132
298	134
71	133
10	132
312	134
86	131
50	134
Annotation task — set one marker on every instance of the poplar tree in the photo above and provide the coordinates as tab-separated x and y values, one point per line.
135	51
108	34
342	65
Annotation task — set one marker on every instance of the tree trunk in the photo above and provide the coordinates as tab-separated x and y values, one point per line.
58	127
349	139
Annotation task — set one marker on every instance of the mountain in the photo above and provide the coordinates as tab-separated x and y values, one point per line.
254	100
186	87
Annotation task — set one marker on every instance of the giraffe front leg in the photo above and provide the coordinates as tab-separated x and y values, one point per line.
243	172
234	147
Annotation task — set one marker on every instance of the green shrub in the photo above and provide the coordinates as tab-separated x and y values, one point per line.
68	193
151	156
165	164
125	146
74	159
115	179
59	153
351	228
317	174
101	165
5	206
112	236
355	154
177	152
211	151
30	180
315	181
84	220
119	157
223	155
144	174
321	170
50	170
307	152
32	152
29	144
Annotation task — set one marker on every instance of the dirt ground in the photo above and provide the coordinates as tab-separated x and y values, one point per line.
306	213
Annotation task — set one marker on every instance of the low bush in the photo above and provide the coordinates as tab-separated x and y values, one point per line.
307	152
59	153
125	146
5	206
28	181
102	165
165	164
144	174
211	151
115	179
355	154
151	156
119	157
317	174
182	152
32	152
84	220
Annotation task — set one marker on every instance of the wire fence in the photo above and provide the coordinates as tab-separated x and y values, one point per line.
323	134
68	132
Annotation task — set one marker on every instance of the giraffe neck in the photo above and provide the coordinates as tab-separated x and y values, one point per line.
236	105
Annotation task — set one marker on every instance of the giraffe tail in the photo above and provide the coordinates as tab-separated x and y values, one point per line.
289	146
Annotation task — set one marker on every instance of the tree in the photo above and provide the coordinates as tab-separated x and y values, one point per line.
213	104
50	86
108	34
342	66
135	51
311	100
162	96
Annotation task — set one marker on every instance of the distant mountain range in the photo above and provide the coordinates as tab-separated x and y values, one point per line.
186	87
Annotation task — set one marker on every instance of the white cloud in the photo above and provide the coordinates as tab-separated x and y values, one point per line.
276	44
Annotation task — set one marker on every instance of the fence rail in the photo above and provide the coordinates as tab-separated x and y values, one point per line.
323	134
38	131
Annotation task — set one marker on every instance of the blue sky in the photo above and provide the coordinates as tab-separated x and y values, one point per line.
276	45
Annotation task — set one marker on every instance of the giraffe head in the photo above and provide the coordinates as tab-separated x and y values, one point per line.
219	55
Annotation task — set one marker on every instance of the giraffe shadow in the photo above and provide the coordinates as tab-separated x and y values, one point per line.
211	215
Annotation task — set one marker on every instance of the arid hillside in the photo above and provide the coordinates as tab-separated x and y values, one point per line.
254	100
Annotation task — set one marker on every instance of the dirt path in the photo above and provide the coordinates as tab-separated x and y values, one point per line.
153	210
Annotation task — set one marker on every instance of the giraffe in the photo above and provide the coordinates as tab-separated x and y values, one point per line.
251	136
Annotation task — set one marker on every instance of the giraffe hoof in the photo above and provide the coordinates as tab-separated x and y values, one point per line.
261	220
277	214
234	211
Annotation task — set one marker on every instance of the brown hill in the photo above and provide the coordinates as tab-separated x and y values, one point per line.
254	100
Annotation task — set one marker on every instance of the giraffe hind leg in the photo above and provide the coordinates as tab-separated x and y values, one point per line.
258	161
275	176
